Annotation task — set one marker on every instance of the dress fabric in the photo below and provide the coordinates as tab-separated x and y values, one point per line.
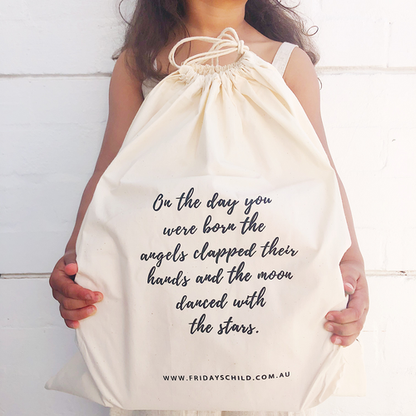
280	62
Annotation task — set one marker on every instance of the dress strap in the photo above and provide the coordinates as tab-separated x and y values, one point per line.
282	56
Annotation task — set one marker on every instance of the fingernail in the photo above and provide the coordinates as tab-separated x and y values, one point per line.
338	341
350	288
329	328
92	310
330	317
98	297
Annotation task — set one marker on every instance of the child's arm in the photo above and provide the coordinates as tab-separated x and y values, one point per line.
345	325
125	98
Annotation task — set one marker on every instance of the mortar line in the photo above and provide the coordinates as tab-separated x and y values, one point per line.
327	70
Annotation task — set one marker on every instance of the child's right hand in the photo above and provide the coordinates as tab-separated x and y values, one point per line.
75	302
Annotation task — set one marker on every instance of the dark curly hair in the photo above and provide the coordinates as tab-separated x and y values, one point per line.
154	22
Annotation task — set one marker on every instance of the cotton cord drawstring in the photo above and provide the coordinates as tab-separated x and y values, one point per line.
227	42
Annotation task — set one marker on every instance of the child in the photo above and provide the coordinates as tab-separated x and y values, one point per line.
268	29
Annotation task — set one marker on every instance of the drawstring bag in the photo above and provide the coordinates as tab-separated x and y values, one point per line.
215	236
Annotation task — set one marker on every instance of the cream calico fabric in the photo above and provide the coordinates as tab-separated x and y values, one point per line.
216	236
280	61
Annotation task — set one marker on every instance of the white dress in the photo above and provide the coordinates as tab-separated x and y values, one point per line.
280	62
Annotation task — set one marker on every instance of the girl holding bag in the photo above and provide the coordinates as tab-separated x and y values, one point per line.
275	34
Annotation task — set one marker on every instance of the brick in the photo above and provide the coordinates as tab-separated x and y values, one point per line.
401	246
338	8
59	46
400	9
355	41
50	149
55	10
37	216
53	100
401	153
47	37
29	357
32	251
376	100
36	312
400	202
12	10
352	100
22	211
401	49
357	150
76	9
15	106
372	244
367	198
378	31
402	32
386	205
400	357
399	99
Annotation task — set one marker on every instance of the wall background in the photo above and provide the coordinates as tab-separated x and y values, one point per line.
55	64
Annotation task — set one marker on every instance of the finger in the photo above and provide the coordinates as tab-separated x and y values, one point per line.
71	269
351	273
343	341
77	314
349	277
58	276
346	330
63	284
357	307
70	260
349	285
69	303
71	324
345	316
359	300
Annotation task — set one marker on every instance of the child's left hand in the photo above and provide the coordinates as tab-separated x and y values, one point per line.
347	324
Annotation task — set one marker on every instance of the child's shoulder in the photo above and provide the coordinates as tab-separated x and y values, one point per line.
261	45
300	69
267	49
125	87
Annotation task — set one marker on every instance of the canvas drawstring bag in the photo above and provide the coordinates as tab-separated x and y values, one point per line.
215	236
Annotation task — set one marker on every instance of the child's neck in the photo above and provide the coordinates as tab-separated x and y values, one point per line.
210	17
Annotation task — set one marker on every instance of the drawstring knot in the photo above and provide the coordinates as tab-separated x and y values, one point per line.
227	42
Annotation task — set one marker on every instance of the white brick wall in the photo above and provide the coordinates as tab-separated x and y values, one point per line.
51	130
55	62
371	132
